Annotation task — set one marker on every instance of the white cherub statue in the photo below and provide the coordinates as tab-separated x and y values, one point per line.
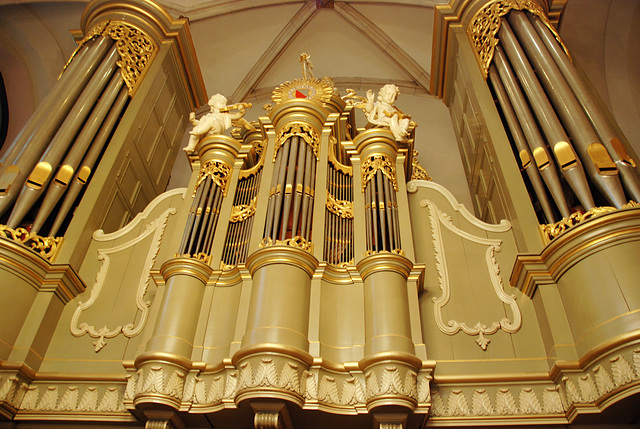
216	122
384	113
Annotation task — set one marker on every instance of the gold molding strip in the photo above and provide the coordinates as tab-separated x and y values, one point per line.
551	231
297	242
46	247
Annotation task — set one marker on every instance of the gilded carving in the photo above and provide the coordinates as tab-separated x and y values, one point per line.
481	403
621	370
46	247
437	404
218	171
155	229
266	375
135	47
342	208
588	388
551	231
505	404
69	400
452	327
529	403
603	380
297	241
485	24
243	212
390	382
417	171
302	130
551	401
311	385
372	164
457	404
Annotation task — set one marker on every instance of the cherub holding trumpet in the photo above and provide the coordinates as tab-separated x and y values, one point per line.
217	121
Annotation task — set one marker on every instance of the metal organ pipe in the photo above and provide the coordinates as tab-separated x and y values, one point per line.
21	158
594	156
520	142
42	173
571	166
608	137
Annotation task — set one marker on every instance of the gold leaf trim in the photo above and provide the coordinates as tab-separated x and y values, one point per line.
485	24
297	241
307	133
345	169
135	47
320	90
219	173
417	171
378	162
376	252
244	211
342	208
46	247
551	231
198	256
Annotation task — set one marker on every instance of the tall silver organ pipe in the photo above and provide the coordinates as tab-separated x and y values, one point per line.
29	146
595	159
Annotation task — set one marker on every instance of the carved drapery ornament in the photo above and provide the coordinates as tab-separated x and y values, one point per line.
342	208
135	47
485	24
218	171
417	171
378	162
553	230
304	131
46	247
243	212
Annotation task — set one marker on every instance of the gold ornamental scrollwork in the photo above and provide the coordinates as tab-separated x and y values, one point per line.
244	211
378	162
553	230
342	208
297	241
46	247
377	252
218	171
198	256
485	24
135	47
417	171
307	133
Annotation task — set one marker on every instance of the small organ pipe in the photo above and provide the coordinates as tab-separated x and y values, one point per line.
288	189
298	189
381	208
571	166
312	182
284	153
305	196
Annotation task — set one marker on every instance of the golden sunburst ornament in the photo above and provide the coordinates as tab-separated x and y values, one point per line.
307	87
